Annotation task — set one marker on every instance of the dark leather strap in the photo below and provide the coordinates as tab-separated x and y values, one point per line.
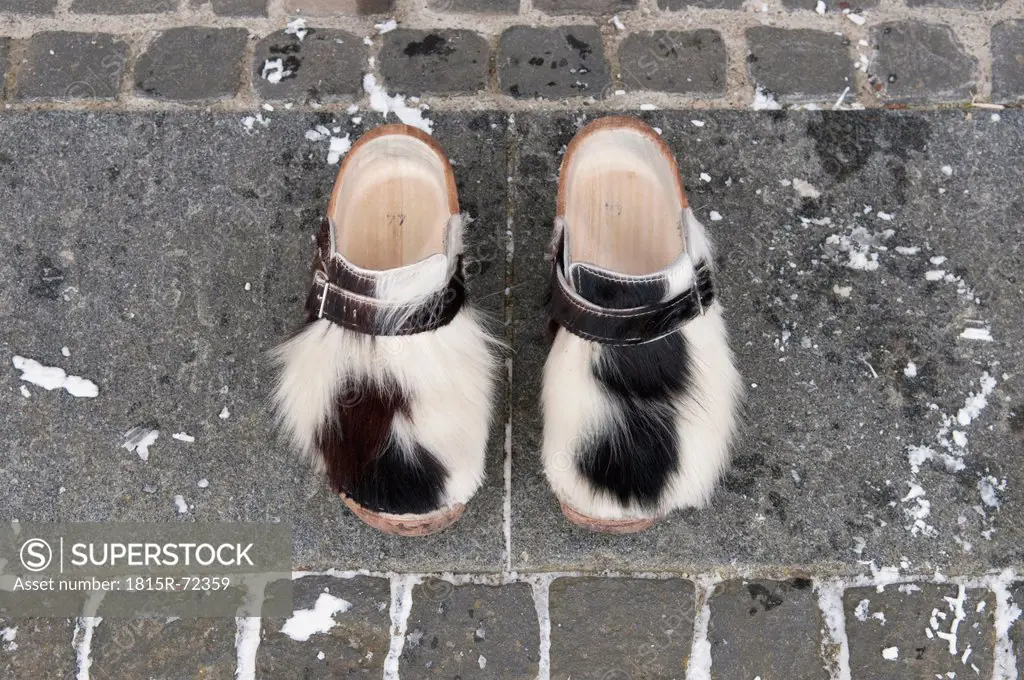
345	297
633	326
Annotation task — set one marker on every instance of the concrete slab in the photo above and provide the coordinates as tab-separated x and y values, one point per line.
131	239
822	468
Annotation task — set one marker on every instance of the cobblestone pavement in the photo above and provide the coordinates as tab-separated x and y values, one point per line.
163	163
561	627
620	54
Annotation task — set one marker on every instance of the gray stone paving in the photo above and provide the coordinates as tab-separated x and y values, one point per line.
192	64
64	65
917	52
767	629
321	67
149	294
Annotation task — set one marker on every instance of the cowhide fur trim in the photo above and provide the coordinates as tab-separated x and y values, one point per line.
638	431
398	423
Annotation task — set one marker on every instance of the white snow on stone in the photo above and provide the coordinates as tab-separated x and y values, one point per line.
908	250
976	401
203	483
65	351
7	636
51	378
891	653
297	27
619	26
856	18
381	102
960	438
249	122
937	260
180	505
861	611
386	26
274	71
884	216
947	171
139	439
764	101
911	370
705	177
224	413
715	216
648	107
977	334
935	275
339	147
314	135
805	189
482	662
183	437
697	123
987	487
820	7
321	656
842	291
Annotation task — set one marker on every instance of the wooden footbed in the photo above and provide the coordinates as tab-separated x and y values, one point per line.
621	197
392	200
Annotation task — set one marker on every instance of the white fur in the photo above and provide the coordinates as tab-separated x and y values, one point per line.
447	375
576	406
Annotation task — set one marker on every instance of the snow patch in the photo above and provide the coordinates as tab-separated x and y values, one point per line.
304	623
381	102
51	378
139	439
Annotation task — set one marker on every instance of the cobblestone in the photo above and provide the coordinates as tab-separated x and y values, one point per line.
355	647
64	65
37	646
163	648
596	7
552	62
235	8
620	628
475	6
833	5
192	63
674	61
923	631
922	62
799	64
123	6
418	62
343	7
322	66
28	6
703	4
471	631
1008	61
766	629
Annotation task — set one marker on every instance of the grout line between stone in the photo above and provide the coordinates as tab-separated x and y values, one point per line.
85	627
509	280
247	643
835	646
541	587
699	667
401	606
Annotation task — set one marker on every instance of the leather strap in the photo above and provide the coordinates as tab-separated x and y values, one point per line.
345	297
632	326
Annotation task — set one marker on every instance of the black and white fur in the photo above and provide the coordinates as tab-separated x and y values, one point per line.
398	423
638	431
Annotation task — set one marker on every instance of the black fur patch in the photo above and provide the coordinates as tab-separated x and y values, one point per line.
365	463
635	454
633	457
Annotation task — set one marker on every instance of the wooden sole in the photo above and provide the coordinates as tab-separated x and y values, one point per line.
406	525
606	526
